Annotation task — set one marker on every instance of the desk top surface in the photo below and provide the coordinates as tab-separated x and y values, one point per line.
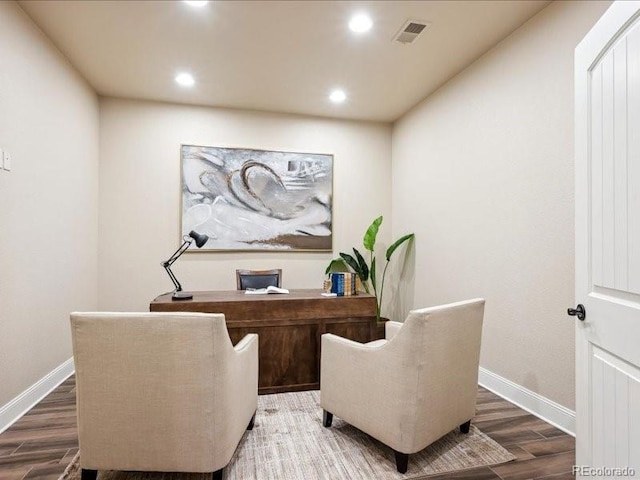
298	304
221	296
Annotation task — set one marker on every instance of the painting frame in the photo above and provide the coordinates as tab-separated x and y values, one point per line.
272	193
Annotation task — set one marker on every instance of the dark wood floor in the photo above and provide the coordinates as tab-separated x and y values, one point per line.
43	442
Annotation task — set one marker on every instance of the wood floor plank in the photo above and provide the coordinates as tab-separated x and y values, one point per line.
527	421
536	467
499	413
46	472
517	451
549	431
32	458
14	473
46	445
514	436
549	446
487	400
60	411
49	420
8	448
66	460
26	435
560	476
497	405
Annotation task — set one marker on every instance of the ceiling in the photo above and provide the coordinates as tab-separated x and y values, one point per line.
279	56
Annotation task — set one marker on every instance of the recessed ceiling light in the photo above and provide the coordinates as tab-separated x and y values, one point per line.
196	3
337	96
185	79
360	23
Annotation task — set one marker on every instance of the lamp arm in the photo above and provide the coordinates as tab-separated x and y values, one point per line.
167	264
181	249
173	278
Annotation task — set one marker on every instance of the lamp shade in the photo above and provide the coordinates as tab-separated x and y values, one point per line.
200	239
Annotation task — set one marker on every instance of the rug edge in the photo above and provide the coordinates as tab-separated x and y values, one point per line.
491	464
67	471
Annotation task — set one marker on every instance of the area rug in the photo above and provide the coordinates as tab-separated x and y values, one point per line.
289	442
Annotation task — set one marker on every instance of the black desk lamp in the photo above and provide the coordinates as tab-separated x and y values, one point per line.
178	294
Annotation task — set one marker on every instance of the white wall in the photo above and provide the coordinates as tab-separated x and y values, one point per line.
140	193
48	202
483	173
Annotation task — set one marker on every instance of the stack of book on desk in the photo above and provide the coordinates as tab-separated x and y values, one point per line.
344	283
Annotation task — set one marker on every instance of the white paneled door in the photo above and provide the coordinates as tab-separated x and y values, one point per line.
607	73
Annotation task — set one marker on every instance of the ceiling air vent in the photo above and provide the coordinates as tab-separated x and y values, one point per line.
410	31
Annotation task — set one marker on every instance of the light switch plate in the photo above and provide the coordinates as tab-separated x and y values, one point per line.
6	161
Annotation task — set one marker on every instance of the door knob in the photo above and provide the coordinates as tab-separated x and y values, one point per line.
579	312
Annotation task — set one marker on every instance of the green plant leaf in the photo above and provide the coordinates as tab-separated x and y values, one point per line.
363	265
373	273
352	263
369	240
336	265
397	243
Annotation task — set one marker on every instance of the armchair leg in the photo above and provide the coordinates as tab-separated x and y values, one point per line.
402	461
327	418
88	474
251	423
464	428
217	475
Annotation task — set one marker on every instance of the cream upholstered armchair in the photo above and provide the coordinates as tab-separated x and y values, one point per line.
161	391
412	388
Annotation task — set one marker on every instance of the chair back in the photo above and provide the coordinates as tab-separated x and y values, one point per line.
441	347
258	278
150	389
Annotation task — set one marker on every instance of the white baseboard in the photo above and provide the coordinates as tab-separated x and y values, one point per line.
548	410
16	408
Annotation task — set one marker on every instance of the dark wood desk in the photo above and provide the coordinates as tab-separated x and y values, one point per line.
289	328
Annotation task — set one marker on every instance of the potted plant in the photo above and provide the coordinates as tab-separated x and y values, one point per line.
367	271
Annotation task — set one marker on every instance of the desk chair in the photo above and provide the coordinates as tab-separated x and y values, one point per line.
258	278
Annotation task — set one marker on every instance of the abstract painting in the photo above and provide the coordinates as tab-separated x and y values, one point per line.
247	199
